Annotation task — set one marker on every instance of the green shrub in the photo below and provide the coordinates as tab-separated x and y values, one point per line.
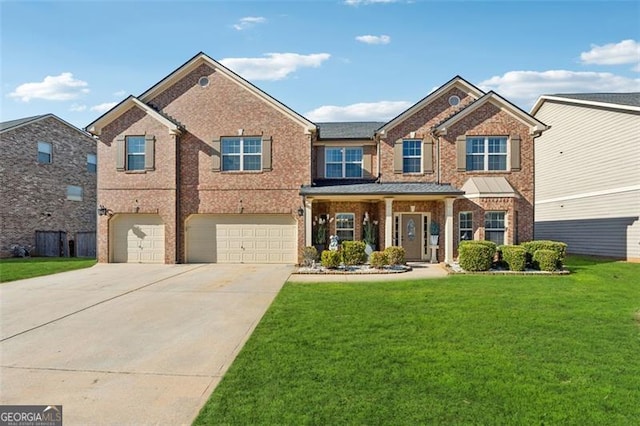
515	257
353	252
559	247
476	255
546	260
331	259
378	259
395	255
309	256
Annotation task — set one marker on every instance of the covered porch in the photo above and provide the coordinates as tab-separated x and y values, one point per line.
399	214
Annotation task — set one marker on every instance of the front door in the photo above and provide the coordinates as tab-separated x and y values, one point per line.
411	236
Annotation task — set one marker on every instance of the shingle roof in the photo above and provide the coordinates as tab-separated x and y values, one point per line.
631	99
348	130
388	188
6	125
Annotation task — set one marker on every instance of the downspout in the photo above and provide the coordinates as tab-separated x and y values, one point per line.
378	158
436	139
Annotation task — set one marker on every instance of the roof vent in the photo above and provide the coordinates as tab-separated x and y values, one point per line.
454	100
204	81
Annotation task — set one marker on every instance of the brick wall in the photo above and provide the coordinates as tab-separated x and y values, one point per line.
33	195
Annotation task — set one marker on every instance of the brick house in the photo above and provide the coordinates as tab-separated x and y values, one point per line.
205	167
48	191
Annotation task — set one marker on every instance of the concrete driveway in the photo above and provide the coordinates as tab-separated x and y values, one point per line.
129	344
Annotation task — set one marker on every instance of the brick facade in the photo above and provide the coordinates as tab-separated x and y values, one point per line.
34	195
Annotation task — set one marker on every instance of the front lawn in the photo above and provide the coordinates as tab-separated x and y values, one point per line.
461	350
19	268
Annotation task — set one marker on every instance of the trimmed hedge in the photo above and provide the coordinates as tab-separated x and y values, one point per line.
353	252
378	259
309	255
559	247
546	259
395	255
331	259
514	256
476	255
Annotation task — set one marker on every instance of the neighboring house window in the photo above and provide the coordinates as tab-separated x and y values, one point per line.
135	152
411	156
44	152
494	227
487	153
466	226
242	154
343	162
345	226
74	193
91	163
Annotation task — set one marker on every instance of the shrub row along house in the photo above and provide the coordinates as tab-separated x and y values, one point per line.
48	191
205	167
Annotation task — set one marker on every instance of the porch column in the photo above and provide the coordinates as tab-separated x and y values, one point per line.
388	222
308	222
448	230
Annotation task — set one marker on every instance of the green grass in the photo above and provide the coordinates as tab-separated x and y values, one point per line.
516	350
20	268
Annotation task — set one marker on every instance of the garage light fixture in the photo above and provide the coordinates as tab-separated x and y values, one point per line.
103	211
300	211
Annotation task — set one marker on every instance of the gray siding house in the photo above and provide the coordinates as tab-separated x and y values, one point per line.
587	181
48	191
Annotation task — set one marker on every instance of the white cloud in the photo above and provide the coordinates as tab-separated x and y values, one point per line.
274	66
77	107
119	93
104	107
61	87
248	22
366	2
365	111
371	39
524	87
625	52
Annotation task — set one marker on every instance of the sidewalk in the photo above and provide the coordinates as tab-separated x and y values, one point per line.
420	270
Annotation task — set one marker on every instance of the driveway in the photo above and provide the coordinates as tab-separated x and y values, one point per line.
129	344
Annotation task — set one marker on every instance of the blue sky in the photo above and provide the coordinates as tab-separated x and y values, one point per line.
328	60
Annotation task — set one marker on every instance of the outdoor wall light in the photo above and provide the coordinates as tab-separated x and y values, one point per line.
103	211
300	211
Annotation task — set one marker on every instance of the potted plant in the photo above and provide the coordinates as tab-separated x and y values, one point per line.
369	233
320	233
434	231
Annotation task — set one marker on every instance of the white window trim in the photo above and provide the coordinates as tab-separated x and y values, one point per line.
420	144
343	161
75	197
460	228
353	230
136	154
504	229
485	154
50	153
240	154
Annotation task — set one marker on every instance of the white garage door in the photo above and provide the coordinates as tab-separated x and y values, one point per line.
137	238
241	239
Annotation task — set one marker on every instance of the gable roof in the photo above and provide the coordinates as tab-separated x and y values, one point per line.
348	130
535	125
126	105
14	124
623	101
456	81
202	58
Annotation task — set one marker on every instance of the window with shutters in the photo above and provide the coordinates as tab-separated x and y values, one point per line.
343	162
412	156
241	153
486	153
135	152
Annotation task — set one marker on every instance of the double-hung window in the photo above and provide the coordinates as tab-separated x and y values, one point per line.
135	152
412	156
466	226
44	152
487	153
343	162
345	226
494	227
241	154
74	193
91	163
